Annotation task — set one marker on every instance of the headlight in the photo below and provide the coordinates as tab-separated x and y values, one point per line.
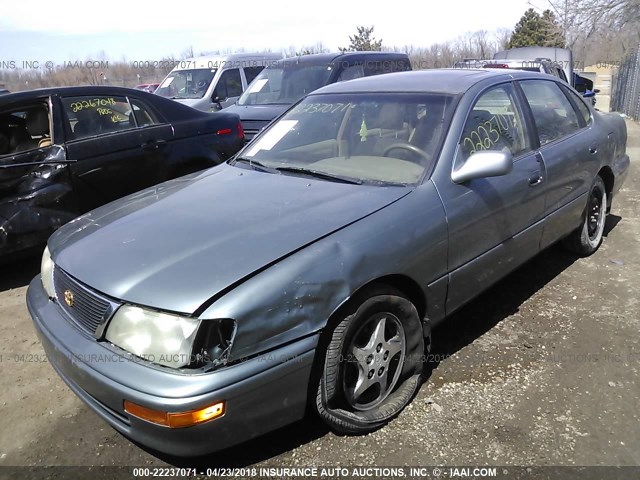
155	336
46	273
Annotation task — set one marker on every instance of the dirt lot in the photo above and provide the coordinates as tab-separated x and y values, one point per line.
541	370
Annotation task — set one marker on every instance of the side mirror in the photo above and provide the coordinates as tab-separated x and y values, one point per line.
483	164
589	94
215	100
596	90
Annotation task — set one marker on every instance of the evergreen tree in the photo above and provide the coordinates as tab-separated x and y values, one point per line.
363	41
538	30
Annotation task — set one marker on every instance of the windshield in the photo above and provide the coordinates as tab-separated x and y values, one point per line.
285	85
186	83
363	138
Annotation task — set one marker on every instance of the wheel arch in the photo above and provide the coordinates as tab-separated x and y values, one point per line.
403	283
609	179
393	283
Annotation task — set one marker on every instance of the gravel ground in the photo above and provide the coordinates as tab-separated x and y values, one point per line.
540	370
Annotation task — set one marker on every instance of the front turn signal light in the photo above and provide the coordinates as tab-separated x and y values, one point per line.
175	419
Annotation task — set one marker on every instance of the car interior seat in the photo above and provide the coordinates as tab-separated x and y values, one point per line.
37	125
88	124
427	131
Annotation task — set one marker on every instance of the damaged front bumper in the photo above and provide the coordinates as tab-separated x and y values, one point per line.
261	394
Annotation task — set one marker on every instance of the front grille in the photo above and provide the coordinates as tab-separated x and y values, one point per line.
252	128
86	307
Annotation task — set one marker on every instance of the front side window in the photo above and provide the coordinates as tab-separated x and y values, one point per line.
553	114
378	67
252	72
186	84
229	85
97	115
363	138
494	123
25	128
351	72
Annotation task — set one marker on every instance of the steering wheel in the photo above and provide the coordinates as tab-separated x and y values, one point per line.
409	147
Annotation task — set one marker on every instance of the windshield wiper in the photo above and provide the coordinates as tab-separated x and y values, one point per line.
255	164
320	174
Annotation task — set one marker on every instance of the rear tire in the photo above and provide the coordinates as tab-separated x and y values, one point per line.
373	363
587	238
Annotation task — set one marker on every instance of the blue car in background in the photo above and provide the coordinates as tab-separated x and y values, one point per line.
307	272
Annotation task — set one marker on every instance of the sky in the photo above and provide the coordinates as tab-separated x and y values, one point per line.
34	30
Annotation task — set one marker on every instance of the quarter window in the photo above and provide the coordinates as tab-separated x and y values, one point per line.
144	116
495	123
554	116
583	110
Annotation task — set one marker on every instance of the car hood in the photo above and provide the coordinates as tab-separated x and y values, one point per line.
175	246
191	102
261	113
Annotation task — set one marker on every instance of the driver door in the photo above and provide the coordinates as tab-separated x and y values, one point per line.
229	88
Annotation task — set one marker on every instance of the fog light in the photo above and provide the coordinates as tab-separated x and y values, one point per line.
175	419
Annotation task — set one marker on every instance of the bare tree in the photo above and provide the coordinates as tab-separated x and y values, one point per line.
187	53
482	44
503	37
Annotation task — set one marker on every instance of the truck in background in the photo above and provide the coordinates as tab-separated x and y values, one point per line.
212	83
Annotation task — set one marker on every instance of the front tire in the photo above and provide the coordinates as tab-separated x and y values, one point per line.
372	364
587	238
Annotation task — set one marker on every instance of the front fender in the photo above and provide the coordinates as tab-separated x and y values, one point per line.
296	297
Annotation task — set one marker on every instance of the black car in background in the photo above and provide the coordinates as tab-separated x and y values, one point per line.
65	151
286	81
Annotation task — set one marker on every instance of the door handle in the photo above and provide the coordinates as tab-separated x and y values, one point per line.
593	149
535	180
153	144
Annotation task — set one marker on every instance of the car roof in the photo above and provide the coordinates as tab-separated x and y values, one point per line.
445	80
234	56
551	53
232	59
325	58
69	92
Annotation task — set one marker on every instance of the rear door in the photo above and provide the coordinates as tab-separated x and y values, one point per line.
495	223
570	152
115	151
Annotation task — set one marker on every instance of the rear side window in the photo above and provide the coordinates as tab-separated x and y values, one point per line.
143	115
554	116
97	115
494	123
583	110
